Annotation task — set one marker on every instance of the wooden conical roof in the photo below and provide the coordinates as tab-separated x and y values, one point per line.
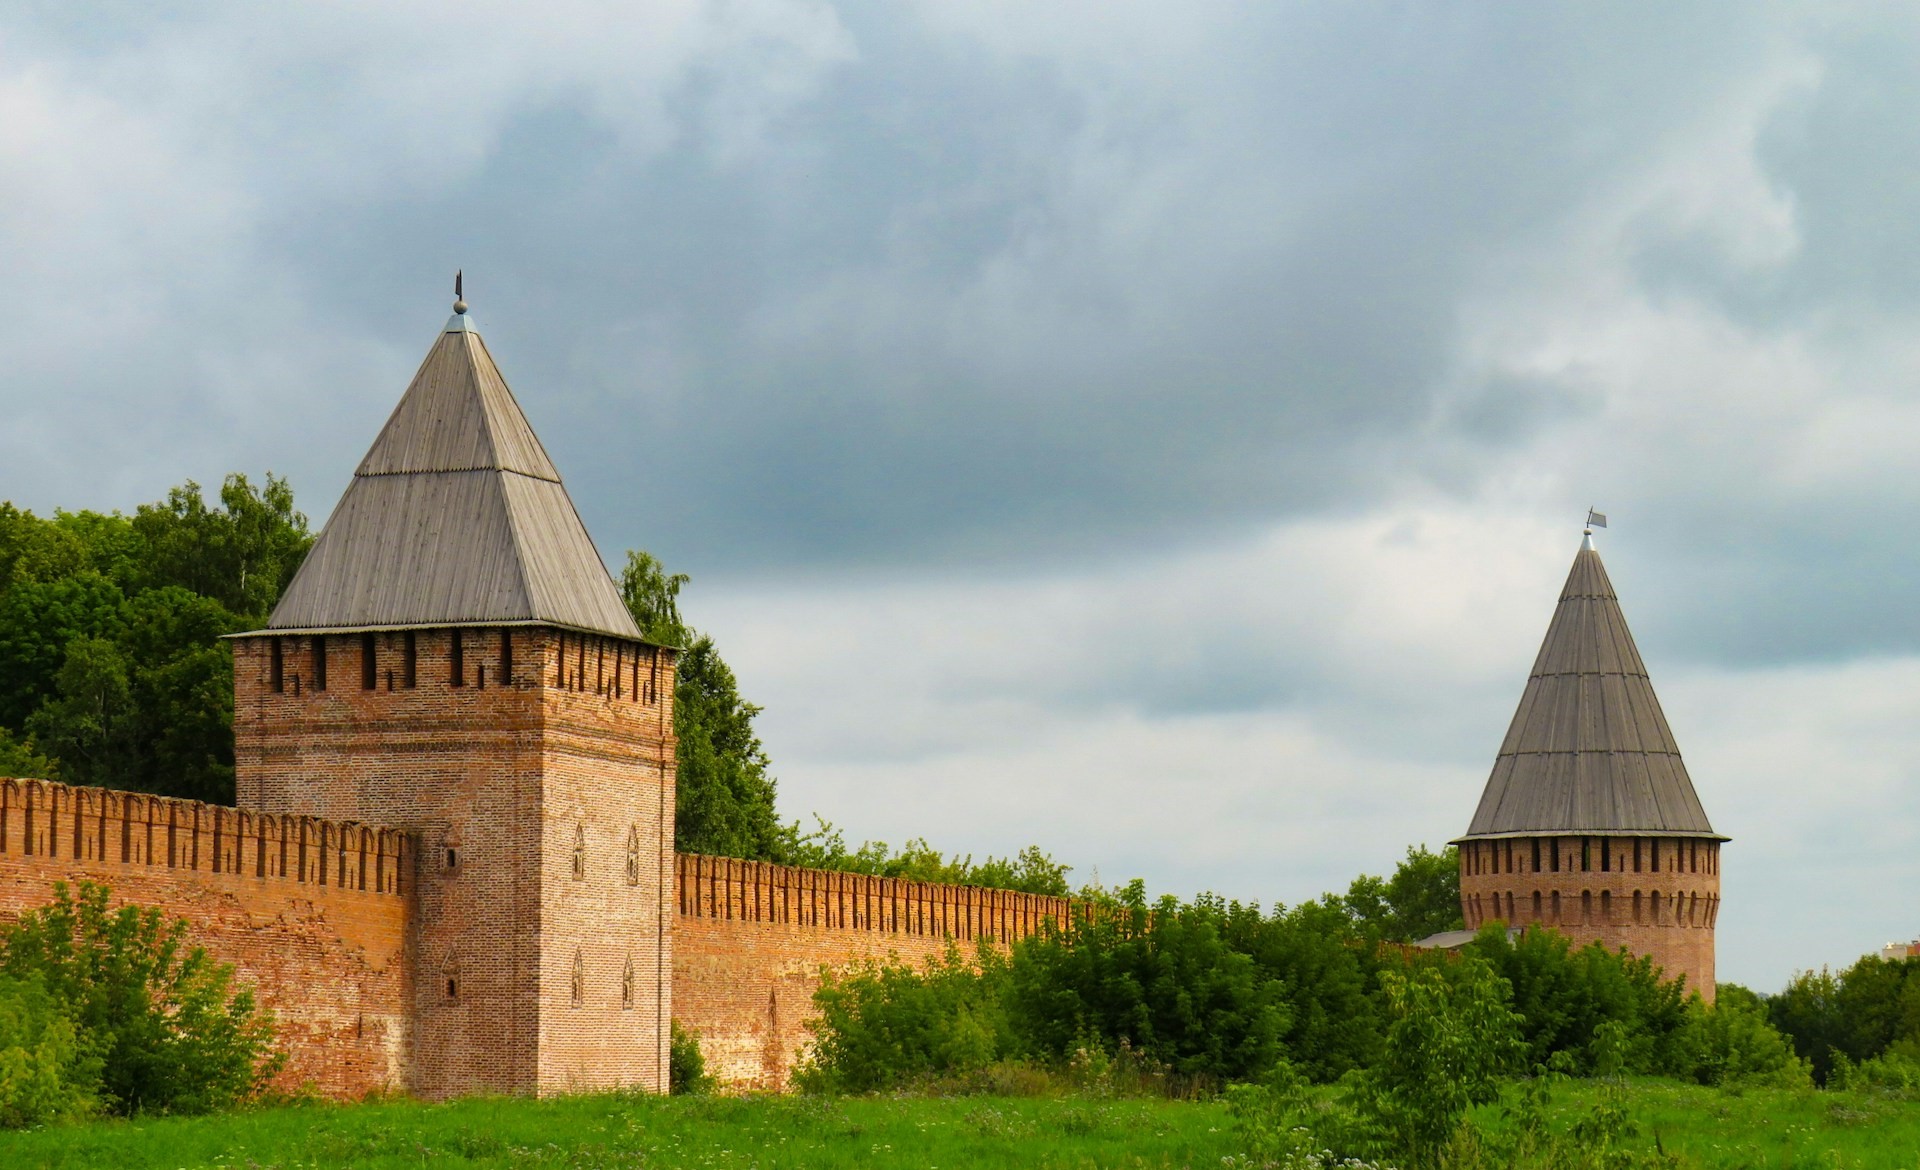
1589	750
455	517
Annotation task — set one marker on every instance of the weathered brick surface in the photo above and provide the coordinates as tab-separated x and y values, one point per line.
541	792
752	939
1656	896
312	913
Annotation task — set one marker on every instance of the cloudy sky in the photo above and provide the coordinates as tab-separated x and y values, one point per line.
1153	431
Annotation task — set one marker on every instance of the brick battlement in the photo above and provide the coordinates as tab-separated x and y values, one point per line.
39	818
313	913
732	890
751	941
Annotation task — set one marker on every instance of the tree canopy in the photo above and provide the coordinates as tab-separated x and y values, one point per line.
112	671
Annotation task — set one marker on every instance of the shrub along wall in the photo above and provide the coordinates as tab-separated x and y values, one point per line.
312	913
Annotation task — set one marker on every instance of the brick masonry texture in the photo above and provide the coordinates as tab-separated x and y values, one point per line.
312	913
535	768
1656	896
753	938
519	922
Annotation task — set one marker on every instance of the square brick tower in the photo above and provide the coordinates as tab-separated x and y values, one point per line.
1589	823
454	660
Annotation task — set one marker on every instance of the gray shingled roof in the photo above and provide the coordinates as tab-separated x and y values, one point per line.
1589	750
455	517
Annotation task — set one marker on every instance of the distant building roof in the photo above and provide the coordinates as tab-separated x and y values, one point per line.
1453	940
455	517
1589	750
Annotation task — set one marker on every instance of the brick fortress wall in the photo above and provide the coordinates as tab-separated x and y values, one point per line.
751	939
1656	896
312	913
535	767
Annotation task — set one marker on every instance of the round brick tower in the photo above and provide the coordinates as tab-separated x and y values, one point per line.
1589	823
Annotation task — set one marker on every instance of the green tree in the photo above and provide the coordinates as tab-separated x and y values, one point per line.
1453	1036
111	656
1421	898
171	1031
45	1075
1031	871
241	554
89	722
1732	1043
725	798
1565	995
21	759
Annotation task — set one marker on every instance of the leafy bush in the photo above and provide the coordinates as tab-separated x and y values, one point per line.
686	1066
1892	1072
44	1074
886	1024
1165	981
1870	1009
1732	1042
1454	1036
170	1032
1564	995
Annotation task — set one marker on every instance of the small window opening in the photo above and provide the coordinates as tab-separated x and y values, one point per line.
1653	855
319	662
506	658
409	661
480	676
1536	865
452	859
1586	854
580	852
451	989
276	667
1606	855
1536	905
560	662
1636	855
1553	856
369	664
458	660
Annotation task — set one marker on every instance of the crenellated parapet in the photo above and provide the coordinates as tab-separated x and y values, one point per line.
733	890
55	822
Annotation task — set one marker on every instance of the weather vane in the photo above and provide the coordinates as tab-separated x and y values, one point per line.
1594	520
459	300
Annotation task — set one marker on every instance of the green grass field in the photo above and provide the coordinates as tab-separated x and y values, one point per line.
1710	1129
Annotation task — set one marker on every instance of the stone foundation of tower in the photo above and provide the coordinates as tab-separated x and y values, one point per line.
1656	896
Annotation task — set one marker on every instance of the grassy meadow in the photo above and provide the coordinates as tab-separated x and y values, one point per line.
1710	1129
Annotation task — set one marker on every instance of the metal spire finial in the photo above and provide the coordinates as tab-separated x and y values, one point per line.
459	301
